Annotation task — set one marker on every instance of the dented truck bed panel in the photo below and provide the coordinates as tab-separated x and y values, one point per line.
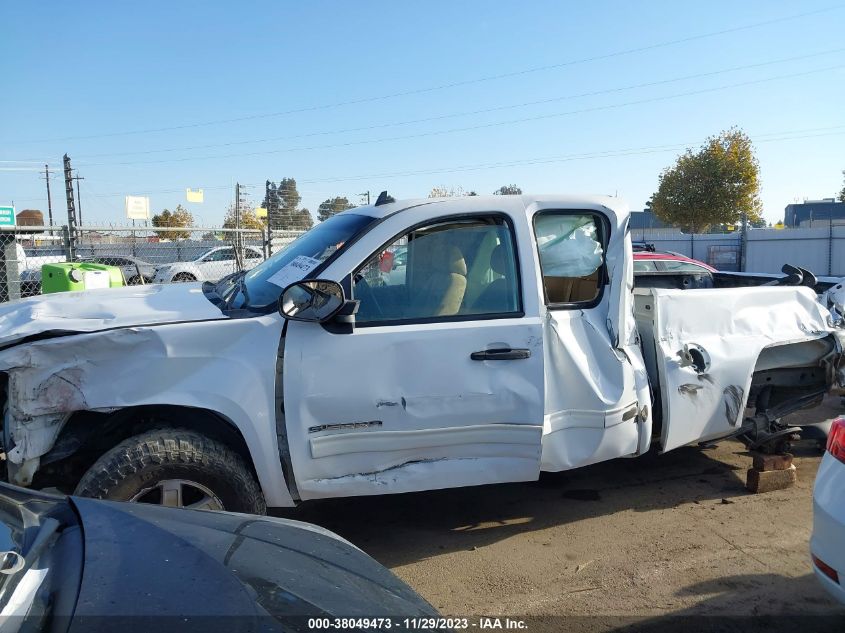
703	348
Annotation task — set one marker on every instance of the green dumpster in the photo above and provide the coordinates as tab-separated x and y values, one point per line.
79	276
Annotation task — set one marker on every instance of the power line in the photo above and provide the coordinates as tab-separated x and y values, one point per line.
555	159
441	117
454	84
767	137
540	117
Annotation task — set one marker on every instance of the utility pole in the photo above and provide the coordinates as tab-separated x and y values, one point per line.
71	209
49	199
77	178
237	205
237	240
362	195
268	204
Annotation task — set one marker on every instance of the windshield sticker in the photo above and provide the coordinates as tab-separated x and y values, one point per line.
294	271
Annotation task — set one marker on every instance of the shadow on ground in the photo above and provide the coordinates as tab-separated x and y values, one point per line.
399	529
748	603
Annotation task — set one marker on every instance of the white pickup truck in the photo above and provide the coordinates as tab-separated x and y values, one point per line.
510	342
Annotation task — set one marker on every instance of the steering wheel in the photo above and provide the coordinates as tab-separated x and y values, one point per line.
365	294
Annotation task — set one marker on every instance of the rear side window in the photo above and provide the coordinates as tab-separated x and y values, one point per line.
572	252
220	256
644	266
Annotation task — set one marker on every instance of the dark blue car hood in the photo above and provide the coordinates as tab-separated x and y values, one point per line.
175	567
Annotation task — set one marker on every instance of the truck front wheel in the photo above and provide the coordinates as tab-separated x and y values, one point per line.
174	467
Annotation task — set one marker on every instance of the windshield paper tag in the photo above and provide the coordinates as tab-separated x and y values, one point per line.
294	271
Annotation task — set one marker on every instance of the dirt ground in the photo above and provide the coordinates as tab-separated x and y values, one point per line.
673	534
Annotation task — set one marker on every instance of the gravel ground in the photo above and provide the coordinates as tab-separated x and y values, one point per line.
673	534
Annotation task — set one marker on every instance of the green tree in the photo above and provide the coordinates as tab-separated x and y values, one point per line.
842	193
715	185
508	190
178	218
332	206
282	204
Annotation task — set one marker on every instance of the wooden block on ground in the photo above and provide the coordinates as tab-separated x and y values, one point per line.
768	480
772	462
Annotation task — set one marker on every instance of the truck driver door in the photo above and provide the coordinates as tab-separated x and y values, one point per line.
440	384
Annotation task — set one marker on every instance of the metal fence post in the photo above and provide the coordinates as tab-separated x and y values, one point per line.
830	245
66	243
10	287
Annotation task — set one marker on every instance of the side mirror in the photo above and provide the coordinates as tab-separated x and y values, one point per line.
314	300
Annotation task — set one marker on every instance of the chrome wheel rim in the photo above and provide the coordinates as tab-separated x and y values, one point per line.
179	493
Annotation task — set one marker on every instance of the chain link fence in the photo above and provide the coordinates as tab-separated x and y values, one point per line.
171	255
143	255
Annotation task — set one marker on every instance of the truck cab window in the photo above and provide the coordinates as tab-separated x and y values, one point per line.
453	269
571	252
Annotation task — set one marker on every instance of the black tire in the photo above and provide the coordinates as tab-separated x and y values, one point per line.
140	462
184	278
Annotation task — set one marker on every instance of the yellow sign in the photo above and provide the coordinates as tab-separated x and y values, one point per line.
261	212
194	195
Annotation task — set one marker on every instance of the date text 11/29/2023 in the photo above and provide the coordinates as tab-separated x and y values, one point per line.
417	624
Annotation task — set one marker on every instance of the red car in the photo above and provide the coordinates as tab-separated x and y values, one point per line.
648	260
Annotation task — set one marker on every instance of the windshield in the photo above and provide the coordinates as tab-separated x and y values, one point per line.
265	282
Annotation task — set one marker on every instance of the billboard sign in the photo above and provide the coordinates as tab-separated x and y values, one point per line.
137	207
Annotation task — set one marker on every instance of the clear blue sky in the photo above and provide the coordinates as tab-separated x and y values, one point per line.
77	77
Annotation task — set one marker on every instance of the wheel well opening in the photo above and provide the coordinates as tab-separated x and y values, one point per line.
87	435
792	376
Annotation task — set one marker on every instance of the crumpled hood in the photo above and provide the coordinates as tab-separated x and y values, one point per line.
95	310
146	561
